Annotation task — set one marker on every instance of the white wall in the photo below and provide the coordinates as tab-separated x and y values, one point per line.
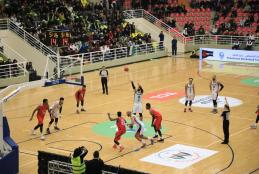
147	27
26	50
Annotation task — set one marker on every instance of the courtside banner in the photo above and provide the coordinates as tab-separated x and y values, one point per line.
229	55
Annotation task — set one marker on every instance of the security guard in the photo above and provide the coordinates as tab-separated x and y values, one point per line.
77	160
104	79
225	115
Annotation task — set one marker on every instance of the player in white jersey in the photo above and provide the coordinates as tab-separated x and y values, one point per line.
55	109
189	94
137	105
215	88
139	135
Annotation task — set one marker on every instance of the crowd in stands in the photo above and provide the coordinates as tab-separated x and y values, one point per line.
92	26
8	68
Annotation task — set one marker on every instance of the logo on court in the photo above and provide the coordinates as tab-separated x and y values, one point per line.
179	156
163	95
205	101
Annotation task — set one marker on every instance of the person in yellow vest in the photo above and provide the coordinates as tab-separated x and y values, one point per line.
77	160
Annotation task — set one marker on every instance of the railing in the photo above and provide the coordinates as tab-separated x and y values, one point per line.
140	13
218	40
12	26
66	63
12	70
58	167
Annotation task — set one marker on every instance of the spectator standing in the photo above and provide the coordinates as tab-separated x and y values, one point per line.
104	74
236	45
95	165
77	160
249	44
161	39
174	46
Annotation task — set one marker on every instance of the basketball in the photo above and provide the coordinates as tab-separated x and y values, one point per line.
126	69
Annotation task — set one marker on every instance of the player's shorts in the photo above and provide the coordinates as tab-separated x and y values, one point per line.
118	134
137	108
140	129
189	97
40	119
157	123
214	95
54	114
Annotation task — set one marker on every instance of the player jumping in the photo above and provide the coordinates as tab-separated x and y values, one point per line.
140	129
189	94
121	125
79	95
215	88
156	121
41	111
54	110
137	105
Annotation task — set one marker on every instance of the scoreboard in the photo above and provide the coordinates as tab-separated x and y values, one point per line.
58	38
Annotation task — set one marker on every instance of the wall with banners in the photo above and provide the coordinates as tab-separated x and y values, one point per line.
228	55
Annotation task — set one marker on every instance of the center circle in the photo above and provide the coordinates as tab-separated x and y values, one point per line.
109	128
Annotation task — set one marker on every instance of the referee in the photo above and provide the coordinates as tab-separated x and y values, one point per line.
225	115
104	79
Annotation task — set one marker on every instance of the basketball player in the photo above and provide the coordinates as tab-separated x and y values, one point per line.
140	129
189	94
80	94
41	111
121	125
215	88
137	105
156	121
257	115
54	109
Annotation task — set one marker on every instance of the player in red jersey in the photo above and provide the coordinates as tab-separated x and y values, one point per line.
121	125
79	95
41	111
156	121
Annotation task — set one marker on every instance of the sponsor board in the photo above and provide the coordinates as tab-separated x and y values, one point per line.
179	156
229	55
205	101
163	95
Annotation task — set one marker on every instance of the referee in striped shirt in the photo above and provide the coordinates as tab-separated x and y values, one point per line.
104	79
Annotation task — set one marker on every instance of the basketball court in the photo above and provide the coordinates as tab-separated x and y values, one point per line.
192	140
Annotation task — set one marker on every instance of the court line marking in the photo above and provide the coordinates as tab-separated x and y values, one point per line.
231	135
64	129
194	127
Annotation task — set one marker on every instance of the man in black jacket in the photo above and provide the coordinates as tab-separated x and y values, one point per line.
95	165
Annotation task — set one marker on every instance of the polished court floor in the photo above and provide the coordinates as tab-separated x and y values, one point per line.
200	128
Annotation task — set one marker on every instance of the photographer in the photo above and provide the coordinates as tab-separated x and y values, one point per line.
77	160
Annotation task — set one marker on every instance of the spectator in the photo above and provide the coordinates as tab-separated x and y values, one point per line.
77	160
161	39
95	165
236	45
185	32
174	46
201	31
249	44
214	30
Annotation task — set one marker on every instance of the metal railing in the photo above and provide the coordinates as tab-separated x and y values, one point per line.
218	40
67	63
27	37
12	70
140	13
58	167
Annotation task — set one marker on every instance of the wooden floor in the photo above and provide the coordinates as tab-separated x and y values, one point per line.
199	129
